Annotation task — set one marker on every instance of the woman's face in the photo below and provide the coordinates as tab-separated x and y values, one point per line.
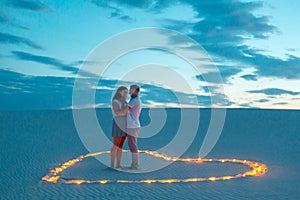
124	93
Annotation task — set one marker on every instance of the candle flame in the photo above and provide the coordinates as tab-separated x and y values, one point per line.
257	169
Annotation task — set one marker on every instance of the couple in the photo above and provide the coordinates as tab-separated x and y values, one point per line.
125	124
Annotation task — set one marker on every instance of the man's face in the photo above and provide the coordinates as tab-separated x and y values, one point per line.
132	91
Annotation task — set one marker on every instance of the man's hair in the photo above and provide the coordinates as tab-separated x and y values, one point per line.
135	87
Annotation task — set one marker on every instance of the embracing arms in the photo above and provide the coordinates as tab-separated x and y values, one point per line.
117	111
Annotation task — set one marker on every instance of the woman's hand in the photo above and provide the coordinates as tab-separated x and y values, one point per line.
118	112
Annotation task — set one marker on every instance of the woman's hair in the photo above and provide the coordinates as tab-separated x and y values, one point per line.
118	95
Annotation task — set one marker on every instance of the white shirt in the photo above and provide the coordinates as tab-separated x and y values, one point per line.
133	115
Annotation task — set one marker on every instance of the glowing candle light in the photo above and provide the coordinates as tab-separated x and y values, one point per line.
103	181
258	169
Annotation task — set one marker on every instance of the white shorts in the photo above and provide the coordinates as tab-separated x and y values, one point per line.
134	132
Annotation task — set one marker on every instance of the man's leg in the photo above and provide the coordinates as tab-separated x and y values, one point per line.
132	134
132	143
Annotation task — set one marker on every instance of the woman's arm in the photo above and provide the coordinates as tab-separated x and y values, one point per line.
118	112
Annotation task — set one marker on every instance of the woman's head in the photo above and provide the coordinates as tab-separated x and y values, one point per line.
121	93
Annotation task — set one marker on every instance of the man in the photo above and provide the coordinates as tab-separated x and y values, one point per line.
133	124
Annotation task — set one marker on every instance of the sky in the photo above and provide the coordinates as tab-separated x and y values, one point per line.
253	45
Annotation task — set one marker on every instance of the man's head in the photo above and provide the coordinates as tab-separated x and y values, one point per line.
134	90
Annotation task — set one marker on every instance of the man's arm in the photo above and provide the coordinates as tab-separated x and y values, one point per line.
134	103
131	104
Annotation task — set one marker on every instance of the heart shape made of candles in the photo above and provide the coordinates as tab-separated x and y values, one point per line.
257	169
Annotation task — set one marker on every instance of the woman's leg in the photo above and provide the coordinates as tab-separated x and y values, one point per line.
119	151
113	155
114	151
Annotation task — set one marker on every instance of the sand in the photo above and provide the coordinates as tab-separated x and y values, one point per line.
34	142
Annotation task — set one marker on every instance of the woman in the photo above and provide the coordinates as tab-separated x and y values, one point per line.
120	109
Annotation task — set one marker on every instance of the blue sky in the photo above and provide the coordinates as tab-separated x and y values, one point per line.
254	44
